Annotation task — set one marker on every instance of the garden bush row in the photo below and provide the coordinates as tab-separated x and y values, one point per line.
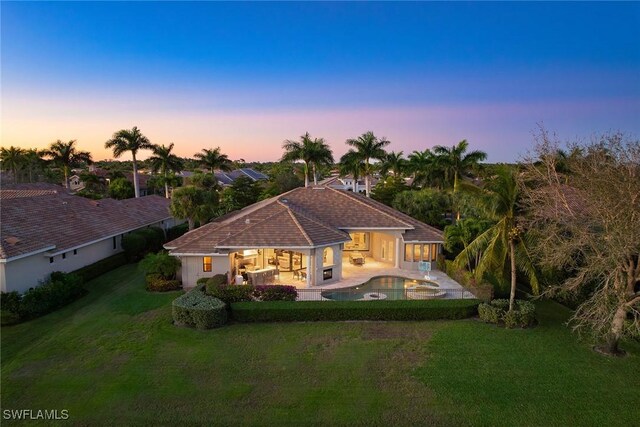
497	311
285	311
239	293
60	290
96	269
140	242
199	310
158	283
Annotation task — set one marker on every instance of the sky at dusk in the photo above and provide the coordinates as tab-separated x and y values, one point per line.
246	76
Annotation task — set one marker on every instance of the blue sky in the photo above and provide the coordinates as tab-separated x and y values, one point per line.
245	76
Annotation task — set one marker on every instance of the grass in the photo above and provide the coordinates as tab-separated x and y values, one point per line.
113	357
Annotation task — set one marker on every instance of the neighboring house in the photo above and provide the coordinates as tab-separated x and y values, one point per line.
228	178
306	234
347	183
76	184
46	229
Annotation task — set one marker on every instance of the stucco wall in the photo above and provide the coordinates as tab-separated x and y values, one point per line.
191	269
27	272
317	278
24	273
377	241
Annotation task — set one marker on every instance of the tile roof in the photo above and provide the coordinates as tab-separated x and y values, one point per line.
41	217
303	217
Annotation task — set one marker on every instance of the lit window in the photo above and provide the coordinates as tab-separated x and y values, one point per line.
416	252
206	263
426	252
434	251
408	252
359	242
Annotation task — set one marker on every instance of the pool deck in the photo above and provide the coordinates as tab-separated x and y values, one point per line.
354	275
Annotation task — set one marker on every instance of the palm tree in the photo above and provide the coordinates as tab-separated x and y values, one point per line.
393	162
66	156
12	158
212	159
312	152
425	169
504	241
163	160
350	164
194	204
33	161
369	147
456	163
129	140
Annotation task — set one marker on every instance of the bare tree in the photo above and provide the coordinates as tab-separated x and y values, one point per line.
586	217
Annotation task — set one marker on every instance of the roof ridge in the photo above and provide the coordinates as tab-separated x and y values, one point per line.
351	196
295	220
303	212
253	224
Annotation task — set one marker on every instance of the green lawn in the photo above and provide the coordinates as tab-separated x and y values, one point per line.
113	357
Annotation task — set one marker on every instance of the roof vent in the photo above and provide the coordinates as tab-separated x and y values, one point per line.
12	240
285	201
247	221
318	188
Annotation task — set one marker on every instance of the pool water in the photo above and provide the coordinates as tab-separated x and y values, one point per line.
389	287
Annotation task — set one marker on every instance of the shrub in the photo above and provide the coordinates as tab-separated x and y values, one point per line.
134	246
8	318
10	301
60	290
161	264
214	282
497	311
231	293
96	269
287	311
154	237
199	310
275	293
158	283
177	231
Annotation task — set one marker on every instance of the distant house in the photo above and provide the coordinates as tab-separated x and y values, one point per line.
228	178
76	184
306	235
347	183
44	229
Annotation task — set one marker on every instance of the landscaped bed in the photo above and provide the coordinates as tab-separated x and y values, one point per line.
114	357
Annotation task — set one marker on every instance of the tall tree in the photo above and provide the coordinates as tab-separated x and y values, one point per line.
129	140
12	159
586	215
312	152
393	162
456	163
33	162
194	204
425	169
213	159
350	164
66	156
369	147
166	162
504	242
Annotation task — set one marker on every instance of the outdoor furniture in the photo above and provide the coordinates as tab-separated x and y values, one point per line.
356	258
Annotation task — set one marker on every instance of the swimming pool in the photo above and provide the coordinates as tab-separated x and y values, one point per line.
387	287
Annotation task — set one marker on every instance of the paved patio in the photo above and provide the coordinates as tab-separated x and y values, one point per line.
354	275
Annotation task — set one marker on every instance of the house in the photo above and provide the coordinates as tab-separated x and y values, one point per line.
228	178
306	234
44	228
347	183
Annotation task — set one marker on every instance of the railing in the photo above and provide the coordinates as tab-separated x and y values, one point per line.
353	294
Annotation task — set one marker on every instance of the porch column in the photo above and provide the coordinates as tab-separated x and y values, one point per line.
311	268
399	250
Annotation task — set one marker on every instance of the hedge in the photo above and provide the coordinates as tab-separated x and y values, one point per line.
60	290
177	231
199	310
497	311
286	311
154	237
96	269
157	283
213	282
134	246
239	293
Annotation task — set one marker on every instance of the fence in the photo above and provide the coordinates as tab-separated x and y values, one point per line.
353	294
